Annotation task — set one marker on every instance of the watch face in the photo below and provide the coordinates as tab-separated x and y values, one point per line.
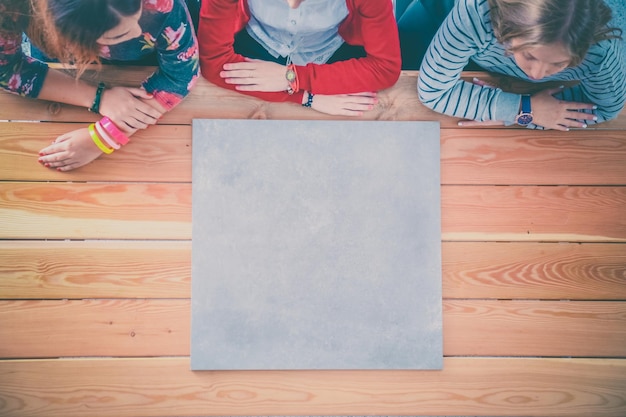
524	119
290	75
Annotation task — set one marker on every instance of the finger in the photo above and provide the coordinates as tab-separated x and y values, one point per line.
481	83
236	74
239	66
580	117
53	160
134	124
240	81
572	106
248	87
70	166
148	115
140	93
362	107
372	94
560	127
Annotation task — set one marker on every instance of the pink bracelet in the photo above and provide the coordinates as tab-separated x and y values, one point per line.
114	131
104	135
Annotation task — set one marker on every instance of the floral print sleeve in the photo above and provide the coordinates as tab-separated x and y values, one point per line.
19	74
177	52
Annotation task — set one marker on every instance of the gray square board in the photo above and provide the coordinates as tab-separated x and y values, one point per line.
316	245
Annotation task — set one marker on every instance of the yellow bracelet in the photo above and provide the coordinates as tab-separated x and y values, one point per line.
96	139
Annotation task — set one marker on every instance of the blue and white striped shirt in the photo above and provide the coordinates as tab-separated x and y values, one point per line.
467	33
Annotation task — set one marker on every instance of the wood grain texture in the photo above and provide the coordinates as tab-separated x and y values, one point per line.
99	211
161	154
162	269
161	328
95	272
495	156
517	157
166	387
95	269
513	213
163	211
528	270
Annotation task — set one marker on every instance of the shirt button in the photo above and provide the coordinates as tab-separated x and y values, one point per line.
293	22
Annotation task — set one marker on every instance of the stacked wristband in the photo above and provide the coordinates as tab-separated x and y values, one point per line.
113	131
98	140
107	136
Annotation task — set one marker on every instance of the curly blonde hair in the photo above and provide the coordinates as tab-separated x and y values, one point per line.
575	24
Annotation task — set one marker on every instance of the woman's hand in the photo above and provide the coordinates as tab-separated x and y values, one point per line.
256	75
70	151
353	105
128	108
552	113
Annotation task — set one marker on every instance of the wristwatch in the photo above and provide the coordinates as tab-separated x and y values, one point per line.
525	116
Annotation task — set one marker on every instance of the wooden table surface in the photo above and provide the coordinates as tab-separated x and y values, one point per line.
95	274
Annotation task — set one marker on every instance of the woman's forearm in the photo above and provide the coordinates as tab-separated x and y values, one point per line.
66	89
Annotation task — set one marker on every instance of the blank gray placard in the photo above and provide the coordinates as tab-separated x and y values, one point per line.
316	245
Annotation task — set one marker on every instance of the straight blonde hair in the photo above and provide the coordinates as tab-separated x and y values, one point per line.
575	24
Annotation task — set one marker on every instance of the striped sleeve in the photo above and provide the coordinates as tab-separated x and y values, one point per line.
603	81
465	31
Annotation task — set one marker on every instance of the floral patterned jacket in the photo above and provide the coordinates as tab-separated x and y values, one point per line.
167	32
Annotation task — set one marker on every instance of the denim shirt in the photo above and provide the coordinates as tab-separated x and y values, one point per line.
307	34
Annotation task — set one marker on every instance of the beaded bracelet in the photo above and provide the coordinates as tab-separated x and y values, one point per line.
309	100
104	135
96	139
114	131
95	107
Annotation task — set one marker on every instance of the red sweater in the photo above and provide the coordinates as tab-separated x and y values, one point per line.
370	23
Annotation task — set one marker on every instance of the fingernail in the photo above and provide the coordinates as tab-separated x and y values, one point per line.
595	118
584	126
460	124
594	107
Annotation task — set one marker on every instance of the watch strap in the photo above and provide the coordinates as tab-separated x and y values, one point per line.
526	103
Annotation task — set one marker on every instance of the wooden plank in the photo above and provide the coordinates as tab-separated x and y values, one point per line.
510	157
165	387
99	211
163	211
162	269
496	156
95	269
515	213
161	328
161	154
206	100
528	270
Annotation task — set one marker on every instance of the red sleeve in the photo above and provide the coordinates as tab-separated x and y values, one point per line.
371	24
220	20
